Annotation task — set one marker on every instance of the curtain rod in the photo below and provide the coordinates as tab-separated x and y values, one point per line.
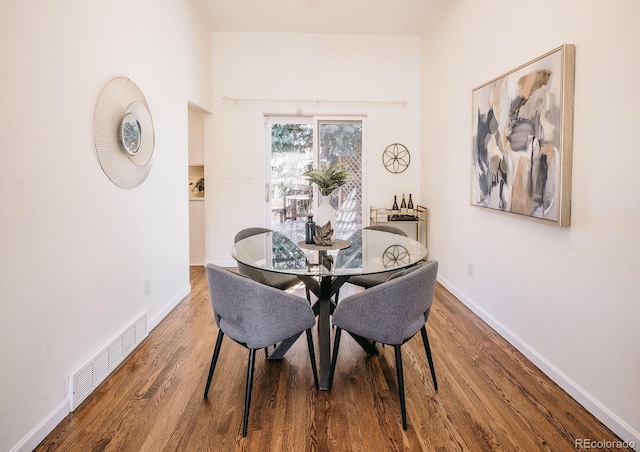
392	101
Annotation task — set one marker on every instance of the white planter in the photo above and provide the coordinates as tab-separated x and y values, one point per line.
324	212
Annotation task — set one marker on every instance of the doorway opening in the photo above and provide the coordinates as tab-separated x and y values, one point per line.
196	124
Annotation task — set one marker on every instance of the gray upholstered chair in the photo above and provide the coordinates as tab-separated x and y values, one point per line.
255	316
390	313
368	281
277	280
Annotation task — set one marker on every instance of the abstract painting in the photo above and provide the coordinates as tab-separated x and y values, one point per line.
522	128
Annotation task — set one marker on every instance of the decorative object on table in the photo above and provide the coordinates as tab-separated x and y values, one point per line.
324	259
522	139
198	187
325	212
323	234
309	230
336	244
123	133
327	180
396	158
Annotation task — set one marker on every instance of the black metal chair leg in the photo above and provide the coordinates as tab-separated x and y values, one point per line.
427	348
403	408
214	360
247	397
334	357
312	355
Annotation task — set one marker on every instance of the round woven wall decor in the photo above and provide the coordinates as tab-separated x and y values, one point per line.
123	133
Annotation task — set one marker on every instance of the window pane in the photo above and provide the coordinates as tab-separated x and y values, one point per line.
291	196
342	142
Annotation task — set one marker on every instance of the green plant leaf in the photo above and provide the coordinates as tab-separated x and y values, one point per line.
328	178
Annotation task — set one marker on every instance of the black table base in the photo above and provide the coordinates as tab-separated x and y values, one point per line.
323	308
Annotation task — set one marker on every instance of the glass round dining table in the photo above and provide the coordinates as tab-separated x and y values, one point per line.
324	269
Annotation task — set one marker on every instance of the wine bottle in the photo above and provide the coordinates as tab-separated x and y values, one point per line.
395	203
310	230
403	204
410	204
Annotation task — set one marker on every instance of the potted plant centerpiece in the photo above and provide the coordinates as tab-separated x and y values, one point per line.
327	179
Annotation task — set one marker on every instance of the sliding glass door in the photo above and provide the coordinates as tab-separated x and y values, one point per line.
341	141
296	144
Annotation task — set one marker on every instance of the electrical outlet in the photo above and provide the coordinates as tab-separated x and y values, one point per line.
147	286
470	269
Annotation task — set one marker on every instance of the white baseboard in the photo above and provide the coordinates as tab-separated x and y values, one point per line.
169	307
46	426
590	403
40	431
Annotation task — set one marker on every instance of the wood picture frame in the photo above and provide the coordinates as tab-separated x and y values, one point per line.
522	134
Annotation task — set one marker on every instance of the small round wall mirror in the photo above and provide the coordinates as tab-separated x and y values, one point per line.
123	133
130	134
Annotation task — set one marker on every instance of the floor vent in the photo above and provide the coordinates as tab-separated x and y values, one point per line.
87	377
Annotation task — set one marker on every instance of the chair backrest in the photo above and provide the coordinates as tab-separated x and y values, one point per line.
272	279
252	313
387	228
393	311
248	232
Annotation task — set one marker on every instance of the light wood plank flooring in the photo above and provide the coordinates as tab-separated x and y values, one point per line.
490	397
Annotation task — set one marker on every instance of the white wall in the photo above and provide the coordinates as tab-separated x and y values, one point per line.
196	136
303	66
568	297
74	248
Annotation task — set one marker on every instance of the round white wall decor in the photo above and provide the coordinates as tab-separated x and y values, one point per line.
123	133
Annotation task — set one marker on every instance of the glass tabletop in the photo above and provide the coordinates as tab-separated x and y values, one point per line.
369	251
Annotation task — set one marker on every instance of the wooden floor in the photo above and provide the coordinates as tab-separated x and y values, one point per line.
489	398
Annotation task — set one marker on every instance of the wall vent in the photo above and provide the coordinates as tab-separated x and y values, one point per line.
87	377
